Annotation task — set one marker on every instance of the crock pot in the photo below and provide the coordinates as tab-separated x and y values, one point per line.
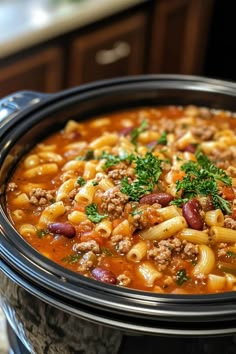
54	310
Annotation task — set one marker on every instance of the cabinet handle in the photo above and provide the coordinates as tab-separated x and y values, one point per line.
119	51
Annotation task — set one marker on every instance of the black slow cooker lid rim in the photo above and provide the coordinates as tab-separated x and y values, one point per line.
166	81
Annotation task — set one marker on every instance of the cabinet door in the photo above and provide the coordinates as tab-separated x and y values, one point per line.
179	36
38	72
115	50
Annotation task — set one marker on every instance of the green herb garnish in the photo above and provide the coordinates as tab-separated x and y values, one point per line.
92	213
89	155
231	254
94	183
137	131
112	160
148	170
201	179
163	139
106	251
72	258
81	181
41	233
181	277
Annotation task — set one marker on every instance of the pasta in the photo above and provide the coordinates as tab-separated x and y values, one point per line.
165	229
145	197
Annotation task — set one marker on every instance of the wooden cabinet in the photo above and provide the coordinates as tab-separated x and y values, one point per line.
117	49
40	72
179	36
157	36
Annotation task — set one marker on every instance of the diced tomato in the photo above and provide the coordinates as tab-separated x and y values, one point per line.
228	193
233	215
79	207
115	223
92	235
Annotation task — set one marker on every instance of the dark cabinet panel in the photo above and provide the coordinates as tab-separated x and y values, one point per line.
40	72
115	50
179	36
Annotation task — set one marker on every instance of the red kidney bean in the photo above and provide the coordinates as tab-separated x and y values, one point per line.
126	131
64	229
151	144
162	198
104	275
190	148
192	214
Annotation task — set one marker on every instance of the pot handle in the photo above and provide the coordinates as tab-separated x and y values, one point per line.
12	104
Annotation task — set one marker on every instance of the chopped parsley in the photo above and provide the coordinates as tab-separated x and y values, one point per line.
81	181
111	160
181	277
231	254
148	170
89	155
72	258
163	139
92	213
41	233
106	251
201	179
137	131
94	183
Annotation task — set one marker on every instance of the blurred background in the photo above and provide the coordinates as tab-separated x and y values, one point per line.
50	45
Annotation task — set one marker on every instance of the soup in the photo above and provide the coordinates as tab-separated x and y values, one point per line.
143	199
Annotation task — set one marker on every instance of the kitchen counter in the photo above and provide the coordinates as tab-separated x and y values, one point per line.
28	22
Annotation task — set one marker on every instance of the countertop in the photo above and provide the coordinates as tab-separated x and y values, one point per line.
24	23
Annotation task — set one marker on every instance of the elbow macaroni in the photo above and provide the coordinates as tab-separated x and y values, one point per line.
96	193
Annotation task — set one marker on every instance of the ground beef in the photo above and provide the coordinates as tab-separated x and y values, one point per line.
122	244
87	246
119	171
73	193
204	132
114	202
165	249
86	262
146	216
161	255
123	280
230	223
40	196
222	249
231	171
167	125
223	159
190	250
11	187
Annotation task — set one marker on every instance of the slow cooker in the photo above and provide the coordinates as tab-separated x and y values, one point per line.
53	310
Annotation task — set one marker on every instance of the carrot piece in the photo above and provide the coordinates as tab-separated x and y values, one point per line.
177	175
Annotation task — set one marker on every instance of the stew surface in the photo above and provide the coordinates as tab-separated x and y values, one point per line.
142	199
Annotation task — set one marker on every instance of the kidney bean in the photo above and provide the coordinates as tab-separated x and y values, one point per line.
191	148
192	214
104	275
151	144
126	131
64	229
162	198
